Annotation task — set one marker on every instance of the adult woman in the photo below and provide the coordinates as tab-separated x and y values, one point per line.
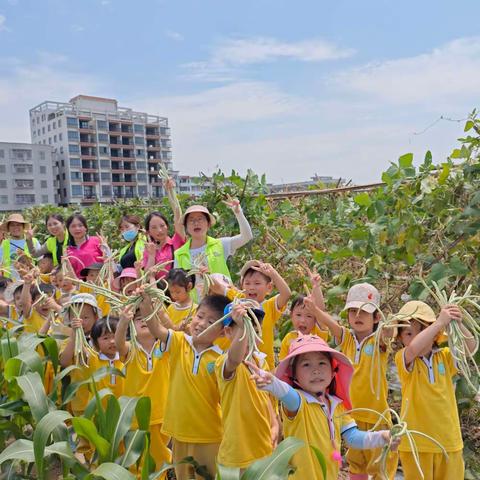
133	250
83	250
15	244
56	243
197	220
160	247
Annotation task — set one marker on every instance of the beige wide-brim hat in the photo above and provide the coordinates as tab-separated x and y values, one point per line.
249	264
198	209
14	217
10	290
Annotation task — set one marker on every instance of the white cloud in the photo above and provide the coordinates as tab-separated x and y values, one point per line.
446	74
176	36
229	56
23	86
77	28
3	22
244	51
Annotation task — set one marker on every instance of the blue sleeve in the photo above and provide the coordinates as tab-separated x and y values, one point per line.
291	400
361	440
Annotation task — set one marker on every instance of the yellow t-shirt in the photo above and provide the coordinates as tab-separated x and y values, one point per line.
428	397
272	315
192	413
102	303
114	382
34	322
245	416
291	336
179	314
361	395
316	426
45	278
148	375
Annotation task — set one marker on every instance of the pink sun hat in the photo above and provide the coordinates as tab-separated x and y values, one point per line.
343	369
126	273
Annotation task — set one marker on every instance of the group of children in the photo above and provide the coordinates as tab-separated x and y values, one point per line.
219	399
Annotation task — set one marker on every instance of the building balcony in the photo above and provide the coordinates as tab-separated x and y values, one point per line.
153	148
87	144
153	136
124	184
88	157
86	130
90	183
89	170
130	146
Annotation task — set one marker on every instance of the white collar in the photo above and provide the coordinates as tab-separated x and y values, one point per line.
334	401
102	356
215	348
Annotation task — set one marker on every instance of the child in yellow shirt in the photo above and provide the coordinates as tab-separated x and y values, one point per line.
17	300
192	415
247	413
357	343
257	280
428	392
147	374
303	320
312	383
179	287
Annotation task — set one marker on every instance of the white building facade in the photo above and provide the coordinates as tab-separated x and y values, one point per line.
27	176
104	152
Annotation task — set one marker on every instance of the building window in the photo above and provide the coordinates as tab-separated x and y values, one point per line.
54	125
38	132
104	163
142	190
22	168
55	139
42	155
142	177
49	140
59	123
28	183
3	184
3	199
48	127
139	128
75	162
105	176
139	141
101	125
75	175
2	153
73	149
77	191
141	165
44	198
2	168
60	137
73	135
103	150
24	198
43	184
43	169
21	154
72	122
103	137
43	130
140	153
106	191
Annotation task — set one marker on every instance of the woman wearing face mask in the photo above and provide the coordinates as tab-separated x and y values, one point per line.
56	243
130	226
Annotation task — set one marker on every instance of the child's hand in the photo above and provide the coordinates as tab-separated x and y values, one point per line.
51	303
449	313
30	232
394	443
126	315
76	323
309	305
265	268
239	311
29	277
315	278
233	203
169	184
261	377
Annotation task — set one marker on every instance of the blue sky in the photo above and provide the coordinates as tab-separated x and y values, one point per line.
286	88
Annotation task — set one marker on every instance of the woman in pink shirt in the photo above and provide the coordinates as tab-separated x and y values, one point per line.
82	250
160	247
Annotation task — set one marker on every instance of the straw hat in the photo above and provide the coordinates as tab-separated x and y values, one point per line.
14	217
10	290
363	296
198	209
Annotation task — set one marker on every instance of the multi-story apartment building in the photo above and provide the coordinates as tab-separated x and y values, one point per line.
26	175
193	186
105	152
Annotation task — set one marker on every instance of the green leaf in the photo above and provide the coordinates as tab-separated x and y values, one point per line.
406	161
134	446
111	416
275	466
34	394
91	407
23	450
86	428
110	471
363	199
442	177
457	267
142	413
9	347
41	434
321	460
227	473
50	347
468	126
122	426
22	363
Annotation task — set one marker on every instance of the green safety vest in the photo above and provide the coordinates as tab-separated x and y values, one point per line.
214	252
6	260
139	248
51	245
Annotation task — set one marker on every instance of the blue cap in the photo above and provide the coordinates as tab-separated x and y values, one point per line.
259	313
